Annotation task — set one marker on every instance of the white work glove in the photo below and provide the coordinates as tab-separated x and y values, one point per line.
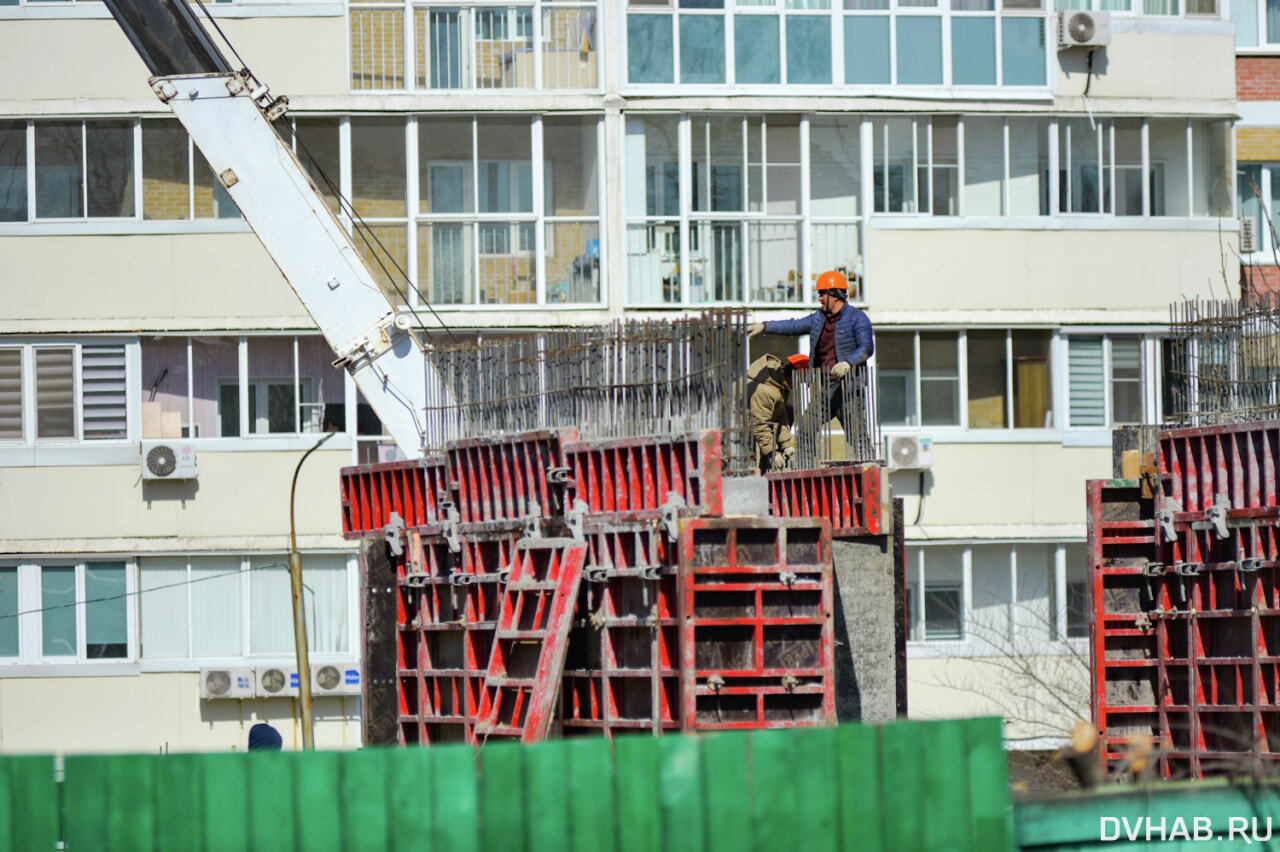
788	455
777	461
755	329
839	371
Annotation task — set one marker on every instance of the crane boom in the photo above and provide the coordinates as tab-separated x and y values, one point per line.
228	116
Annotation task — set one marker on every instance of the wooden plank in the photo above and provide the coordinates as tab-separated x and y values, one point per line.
226	802
991	825
409	793
861	794
547	797
502	789
85	792
902	778
270	800
318	813
179	802
635	761
456	809
590	786
943	760
362	798
729	791
130	785
680	784
33	802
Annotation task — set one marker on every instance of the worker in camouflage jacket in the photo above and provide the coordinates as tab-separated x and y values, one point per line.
768	390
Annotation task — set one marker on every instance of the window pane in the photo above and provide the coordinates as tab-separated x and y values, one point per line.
866	49
944	191
992	596
1159	7
1079	188
1128	163
209	197
445	270
165	181
1033	618
1022	51
943	601
55	393
983	166
13	171
1211	155
650	49
835	166
102	387
216	368
973	51
717	261
444	175
1244	13
1032	391
1028	167
895	165
1077	610
9	612
782	169
109	167
652	167
1126	380
505	178
317	149
895	360
385	249
271	385
756	57
808	49
701	49
653	257
573	185
163	607
164	388
506	263
773	259
378	166
216	607
569	50
11	394
324	599
1168	143
59	158
838	247
573	262
718	157
106	635
939	379
58	611
1085	381
987	380
377	49
271	606
919	51
1248	192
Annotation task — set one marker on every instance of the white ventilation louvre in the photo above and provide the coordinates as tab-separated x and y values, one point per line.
10	394
1086	387
1248	236
55	392
103	388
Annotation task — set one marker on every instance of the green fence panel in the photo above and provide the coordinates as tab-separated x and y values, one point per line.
590	788
902	760
813	749
942	759
988	779
860	796
270	800
547	797
85	789
502	798
362	798
131	788
409	793
30	798
226	801
179	802
728	792
317	814
635	779
456	812
680	783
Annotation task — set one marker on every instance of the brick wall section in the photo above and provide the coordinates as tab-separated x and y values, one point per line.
1260	279
1258	78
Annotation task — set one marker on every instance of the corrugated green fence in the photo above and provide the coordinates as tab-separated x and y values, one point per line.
903	786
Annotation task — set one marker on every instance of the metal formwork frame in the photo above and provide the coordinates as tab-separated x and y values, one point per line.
849	496
631	479
372	492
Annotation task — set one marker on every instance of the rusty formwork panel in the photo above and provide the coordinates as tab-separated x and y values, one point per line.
622	673
630	479
756	606
849	496
509	477
371	492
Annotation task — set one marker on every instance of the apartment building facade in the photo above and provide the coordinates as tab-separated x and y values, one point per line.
1015	219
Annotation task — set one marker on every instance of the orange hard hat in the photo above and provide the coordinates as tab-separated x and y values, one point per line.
832	280
799	362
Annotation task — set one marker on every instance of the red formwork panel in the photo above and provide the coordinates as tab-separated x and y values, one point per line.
530	640
630	479
622	672
507	476
371	492
847	495
1235	462
756	604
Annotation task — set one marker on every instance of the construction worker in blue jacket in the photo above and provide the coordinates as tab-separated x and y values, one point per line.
840	336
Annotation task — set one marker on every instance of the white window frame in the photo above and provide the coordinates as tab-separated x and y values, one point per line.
28	349
1150	377
30	618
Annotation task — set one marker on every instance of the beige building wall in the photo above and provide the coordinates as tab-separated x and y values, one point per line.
150	713
1168	68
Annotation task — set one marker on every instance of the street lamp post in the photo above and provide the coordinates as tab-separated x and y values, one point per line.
299	619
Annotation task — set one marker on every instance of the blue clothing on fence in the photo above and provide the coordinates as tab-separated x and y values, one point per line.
854	341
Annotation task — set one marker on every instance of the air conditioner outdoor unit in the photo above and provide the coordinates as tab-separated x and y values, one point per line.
1248	236
171	459
1083	28
226	683
908	452
277	681
335	679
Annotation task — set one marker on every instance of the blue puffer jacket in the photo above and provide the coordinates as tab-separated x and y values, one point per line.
854	342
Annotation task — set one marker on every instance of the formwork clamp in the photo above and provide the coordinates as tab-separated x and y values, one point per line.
573	519
393	532
461	578
1218	515
1153	569
1249	566
671	514
449	525
532	529
1186	569
560	475
1164	517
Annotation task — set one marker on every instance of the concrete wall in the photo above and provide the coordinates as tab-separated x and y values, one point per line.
240	498
1169	66
1010	270
148	713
